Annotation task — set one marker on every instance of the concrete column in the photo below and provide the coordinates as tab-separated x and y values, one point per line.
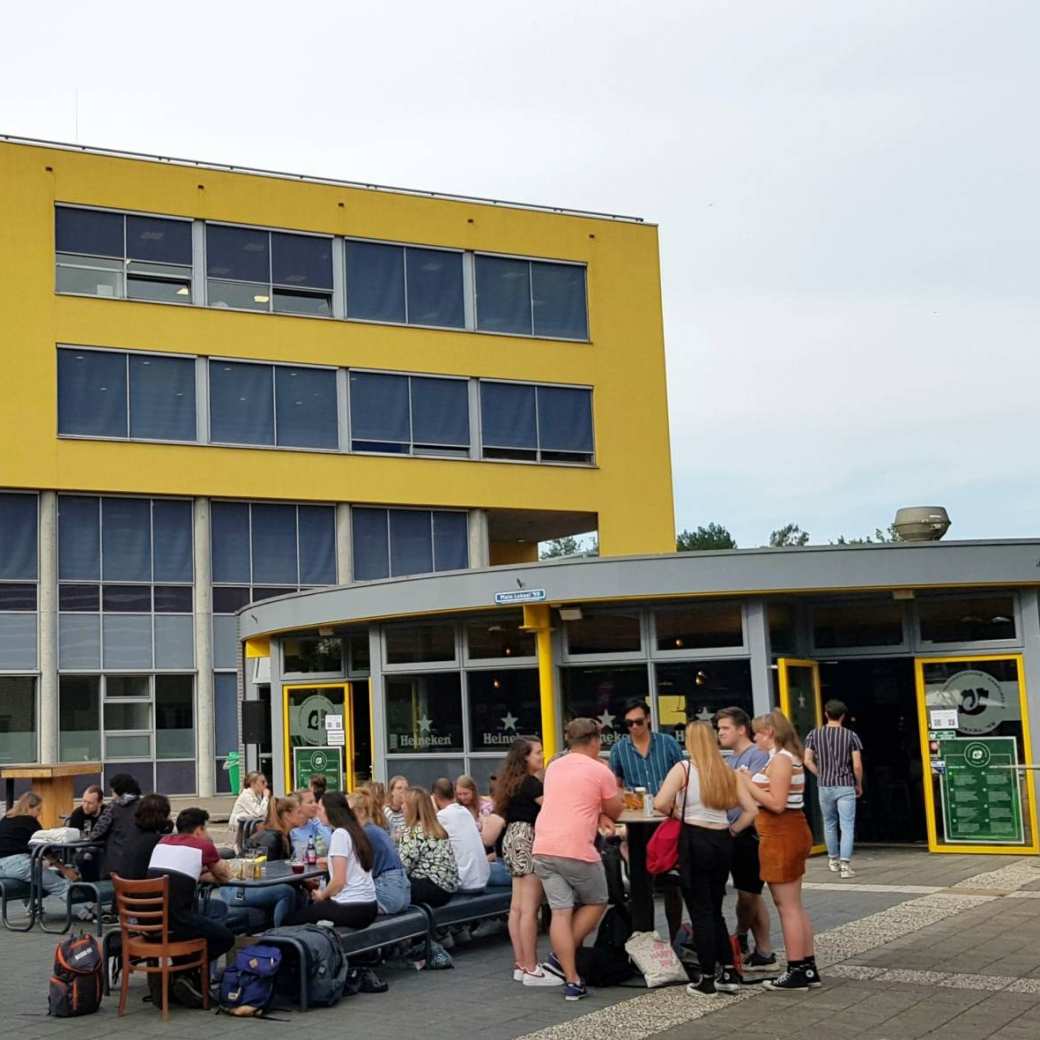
204	706
757	621
48	622
1030	619
479	550
344	544
375	654
281	769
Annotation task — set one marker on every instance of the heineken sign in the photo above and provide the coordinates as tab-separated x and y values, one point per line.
323	761
981	802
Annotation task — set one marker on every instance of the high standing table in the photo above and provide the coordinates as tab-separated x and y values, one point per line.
639	827
53	782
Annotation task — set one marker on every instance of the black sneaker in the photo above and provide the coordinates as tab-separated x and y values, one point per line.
186	992
728	981
761	964
704	988
812	975
793	980
372	982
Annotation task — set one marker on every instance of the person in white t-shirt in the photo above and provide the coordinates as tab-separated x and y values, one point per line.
349	897
466	842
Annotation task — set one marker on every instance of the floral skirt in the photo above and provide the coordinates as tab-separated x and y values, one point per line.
516	849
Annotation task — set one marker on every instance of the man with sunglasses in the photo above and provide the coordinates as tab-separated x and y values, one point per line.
643	758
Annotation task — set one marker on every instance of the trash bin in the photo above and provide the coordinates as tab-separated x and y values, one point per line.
231	766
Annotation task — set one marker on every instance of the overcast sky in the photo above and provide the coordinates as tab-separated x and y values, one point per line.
847	195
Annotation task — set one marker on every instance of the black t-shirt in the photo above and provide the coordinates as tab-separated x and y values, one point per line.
15	832
522	807
82	822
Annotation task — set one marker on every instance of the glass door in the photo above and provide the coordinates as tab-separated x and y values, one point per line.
974	724
317	727
800	701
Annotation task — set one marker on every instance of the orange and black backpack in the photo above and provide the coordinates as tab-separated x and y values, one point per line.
76	984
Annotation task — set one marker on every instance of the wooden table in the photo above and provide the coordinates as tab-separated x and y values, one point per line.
53	782
639	827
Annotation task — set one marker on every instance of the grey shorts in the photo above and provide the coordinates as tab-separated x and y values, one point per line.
571	881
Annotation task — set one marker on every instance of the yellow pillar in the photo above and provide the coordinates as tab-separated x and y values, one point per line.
536	619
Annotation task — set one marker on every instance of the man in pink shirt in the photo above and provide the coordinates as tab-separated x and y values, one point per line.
579	788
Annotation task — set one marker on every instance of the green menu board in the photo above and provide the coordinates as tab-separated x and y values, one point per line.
325	761
980	794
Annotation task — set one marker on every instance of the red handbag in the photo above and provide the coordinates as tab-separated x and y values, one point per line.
662	850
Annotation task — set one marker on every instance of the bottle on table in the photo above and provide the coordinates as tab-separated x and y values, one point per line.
312	852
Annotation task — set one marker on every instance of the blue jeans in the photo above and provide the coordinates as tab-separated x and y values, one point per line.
19	868
838	805
499	876
393	891
281	900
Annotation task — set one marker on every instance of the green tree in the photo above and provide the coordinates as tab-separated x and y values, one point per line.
714	536
879	537
569	545
787	536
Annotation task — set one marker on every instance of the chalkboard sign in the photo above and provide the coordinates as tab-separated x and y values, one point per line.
980	794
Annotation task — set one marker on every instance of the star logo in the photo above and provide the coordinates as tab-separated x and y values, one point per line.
425	724
509	721
704	715
606	720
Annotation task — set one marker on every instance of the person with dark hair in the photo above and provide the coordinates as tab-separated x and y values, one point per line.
834	754
88	812
349	898
319	785
151	821
115	829
470	857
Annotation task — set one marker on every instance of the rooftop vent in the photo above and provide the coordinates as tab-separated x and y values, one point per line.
921	523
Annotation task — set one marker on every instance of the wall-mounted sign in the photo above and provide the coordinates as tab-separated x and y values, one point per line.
977	697
325	761
980	790
942	718
333	722
520	596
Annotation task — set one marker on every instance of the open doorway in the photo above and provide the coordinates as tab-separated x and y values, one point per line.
881	698
361	730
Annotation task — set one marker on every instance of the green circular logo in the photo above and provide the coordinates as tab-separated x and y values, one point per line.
977	755
319	760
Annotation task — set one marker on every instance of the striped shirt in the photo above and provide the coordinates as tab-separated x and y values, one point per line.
633	770
796	792
832	748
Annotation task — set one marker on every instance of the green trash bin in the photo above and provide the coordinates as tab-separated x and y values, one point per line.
231	765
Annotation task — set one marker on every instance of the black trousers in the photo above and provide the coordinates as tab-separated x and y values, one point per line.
219	939
425	891
704	863
343	915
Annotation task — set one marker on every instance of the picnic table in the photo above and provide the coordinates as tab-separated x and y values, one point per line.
53	782
639	827
278	872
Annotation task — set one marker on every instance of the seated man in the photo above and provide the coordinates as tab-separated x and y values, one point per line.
187	857
466	841
83	818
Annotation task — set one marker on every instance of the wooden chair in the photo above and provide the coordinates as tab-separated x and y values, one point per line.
144	914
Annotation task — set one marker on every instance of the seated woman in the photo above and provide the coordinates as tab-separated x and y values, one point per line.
20	823
490	825
349	897
251	804
393	890
426	851
393	810
273	840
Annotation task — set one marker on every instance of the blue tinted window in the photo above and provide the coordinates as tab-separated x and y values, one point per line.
171	527
162	398
158	240
411	542
230	541
379	412
237	253
507	415
306	407
375	281
274	545
371	544
225	713
241	403
88	231
440	412
301	260
79	538
18	537
126	539
317	545
435	288
565	419
92	393
558	292
450	541
503	294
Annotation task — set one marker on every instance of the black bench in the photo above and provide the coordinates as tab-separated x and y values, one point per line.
464	908
11	888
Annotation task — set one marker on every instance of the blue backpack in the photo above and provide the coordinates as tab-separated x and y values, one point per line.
247	986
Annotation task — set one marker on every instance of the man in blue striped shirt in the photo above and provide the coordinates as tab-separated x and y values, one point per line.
643	758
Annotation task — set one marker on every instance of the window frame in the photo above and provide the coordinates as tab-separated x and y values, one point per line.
927	646
430	511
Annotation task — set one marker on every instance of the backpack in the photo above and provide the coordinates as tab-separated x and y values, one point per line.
612	867
247	985
326	967
76	984
606	963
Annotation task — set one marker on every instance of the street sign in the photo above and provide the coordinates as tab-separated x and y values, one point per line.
323	761
520	596
980	793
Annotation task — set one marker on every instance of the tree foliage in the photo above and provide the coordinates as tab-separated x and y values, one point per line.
788	536
569	545
879	537
713	536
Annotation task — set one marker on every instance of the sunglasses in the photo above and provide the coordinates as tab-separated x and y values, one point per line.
629	723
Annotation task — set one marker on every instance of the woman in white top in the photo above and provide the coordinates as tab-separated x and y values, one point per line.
252	804
785	842
349	898
700	793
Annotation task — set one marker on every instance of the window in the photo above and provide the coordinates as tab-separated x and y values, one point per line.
966	619
499	635
100	253
94	399
258	270
18	538
313	655
698	626
503	705
397	542
174	717
858	623
17	718
697	689
531	297
404	284
783	628
17	596
601	693
272	405
536	423
604	632
424	713
409	414
410	643
79	718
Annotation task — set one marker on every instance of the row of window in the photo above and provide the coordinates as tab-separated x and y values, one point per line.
104	393
103	253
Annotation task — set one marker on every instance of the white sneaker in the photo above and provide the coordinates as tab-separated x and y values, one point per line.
518	973
846	870
541	978
832	866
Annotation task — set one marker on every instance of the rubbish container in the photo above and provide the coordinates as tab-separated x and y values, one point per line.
231	766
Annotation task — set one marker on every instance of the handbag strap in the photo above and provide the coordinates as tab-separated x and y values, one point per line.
686	791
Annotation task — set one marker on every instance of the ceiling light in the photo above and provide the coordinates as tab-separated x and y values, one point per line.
183	291
262	299
570	613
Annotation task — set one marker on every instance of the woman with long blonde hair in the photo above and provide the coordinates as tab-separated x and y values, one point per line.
393	891
426	852
17	827
700	793
785	842
377	793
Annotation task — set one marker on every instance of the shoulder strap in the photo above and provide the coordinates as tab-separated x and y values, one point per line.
686	790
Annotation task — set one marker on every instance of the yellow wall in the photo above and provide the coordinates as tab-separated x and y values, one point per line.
501	553
630	488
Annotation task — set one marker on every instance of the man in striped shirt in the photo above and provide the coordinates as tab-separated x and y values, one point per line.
835	755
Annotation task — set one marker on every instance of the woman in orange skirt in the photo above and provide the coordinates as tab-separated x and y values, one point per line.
785	844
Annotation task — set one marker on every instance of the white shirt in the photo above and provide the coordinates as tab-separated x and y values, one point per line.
359	886
467	845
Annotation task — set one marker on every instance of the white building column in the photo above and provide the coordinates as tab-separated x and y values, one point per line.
204	699
48	622
344	545
479	550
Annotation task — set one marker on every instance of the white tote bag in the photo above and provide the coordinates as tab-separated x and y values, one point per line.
655	959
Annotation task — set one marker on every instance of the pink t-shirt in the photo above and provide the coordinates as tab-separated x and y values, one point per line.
575	787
